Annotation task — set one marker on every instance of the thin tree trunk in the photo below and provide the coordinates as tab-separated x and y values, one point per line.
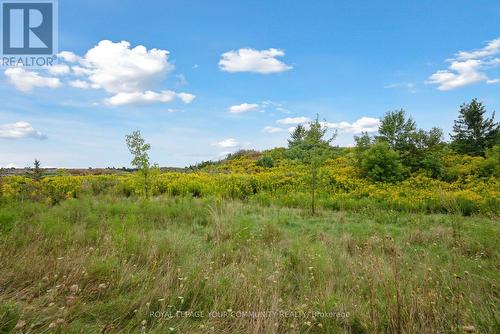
313	191
312	203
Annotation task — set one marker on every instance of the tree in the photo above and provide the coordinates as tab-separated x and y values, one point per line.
37	171
297	136
381	163
412	144
310	147
139	149
472	132
363	143
397	130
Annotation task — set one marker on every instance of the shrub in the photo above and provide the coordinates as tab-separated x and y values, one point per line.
266	162
381	163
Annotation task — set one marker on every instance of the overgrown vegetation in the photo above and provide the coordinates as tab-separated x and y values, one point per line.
102	264
402	238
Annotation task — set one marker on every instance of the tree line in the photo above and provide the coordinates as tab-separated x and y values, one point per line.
399	148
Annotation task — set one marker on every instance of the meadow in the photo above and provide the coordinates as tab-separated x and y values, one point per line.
206	265
396	235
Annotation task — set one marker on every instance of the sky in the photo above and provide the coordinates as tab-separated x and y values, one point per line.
201	79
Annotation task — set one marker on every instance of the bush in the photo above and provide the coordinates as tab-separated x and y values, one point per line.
433	166
491	165
266	162
381	163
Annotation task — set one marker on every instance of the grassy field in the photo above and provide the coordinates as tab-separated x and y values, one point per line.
201	265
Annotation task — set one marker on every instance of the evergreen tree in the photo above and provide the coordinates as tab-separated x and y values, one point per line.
297	135
37	171
472	132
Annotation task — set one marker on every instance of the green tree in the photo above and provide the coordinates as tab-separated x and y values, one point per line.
37	170
139	149
381	163
397	130
412	144
363	143
265	161
311	148
472	132
297	136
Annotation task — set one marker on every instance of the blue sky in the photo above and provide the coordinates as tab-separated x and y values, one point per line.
276	63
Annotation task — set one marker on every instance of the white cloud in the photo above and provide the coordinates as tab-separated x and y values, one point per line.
491	49
228	143
250	60
147	97
68	56
243	108
186	97
272	129
20	130
130	74
468	67
117	68
293	120
493	81
26	80
80	84
59	69
364	124
81	71
460	73
410	86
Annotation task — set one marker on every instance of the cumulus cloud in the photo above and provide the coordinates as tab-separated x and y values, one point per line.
468	67
272	129
147	97
243	108
460	73
293	120
228	143
364	124
81	84
250	60
59	69
26	80
20	130
186	97
117	68
128	74
68	56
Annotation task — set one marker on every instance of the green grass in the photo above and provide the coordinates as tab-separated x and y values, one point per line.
103	264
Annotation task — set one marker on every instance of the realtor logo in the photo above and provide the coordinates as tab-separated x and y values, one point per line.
28	28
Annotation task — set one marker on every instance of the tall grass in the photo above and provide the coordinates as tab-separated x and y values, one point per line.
102	264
